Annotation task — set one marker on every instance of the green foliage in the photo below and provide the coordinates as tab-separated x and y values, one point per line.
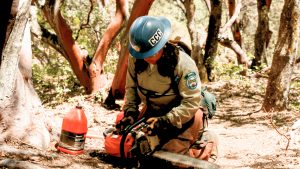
55	83
250	55
53	77
228	70
295	105
294	97
98	97
262	66
87	29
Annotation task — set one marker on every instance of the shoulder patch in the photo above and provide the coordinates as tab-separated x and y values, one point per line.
191	80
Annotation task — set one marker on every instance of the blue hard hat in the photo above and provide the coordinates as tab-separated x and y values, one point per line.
148	35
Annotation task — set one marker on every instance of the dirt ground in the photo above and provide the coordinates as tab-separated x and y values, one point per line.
248	138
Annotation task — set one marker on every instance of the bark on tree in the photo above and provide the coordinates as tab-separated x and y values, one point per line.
91	78
229	43
113	29
39	31
233	44
263	33
276	98
20	107
71	50
235	29
140	8
208	5
212	37
234	10
7	20
197	54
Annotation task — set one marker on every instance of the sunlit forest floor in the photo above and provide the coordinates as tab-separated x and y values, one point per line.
248	138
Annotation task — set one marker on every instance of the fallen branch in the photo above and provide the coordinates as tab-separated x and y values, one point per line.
276	129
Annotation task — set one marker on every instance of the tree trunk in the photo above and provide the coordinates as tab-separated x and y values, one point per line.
7	20
71	50
117	91
276	98
140	8
197	55
10	55
233	45
212	37
91	78
235	29
20	111
113	29
39	31
208	4
263	33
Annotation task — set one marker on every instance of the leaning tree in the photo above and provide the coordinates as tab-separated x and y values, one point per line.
285	53
20	108
263	33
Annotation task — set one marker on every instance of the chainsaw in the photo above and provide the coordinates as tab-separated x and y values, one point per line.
132	142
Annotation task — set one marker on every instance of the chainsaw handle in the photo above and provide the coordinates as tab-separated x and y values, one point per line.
125	132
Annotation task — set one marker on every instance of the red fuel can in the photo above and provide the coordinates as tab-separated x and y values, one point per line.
73	133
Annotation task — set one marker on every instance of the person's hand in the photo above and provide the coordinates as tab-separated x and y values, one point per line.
129	118
157	125
126	121
153	125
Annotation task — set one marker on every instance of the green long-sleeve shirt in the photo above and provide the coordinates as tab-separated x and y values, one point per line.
188	84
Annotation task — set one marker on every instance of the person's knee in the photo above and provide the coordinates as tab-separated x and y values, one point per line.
206	148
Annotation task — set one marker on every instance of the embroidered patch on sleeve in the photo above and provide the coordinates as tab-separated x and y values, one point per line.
191	80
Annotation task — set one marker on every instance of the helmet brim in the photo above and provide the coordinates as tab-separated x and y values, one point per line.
159	45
